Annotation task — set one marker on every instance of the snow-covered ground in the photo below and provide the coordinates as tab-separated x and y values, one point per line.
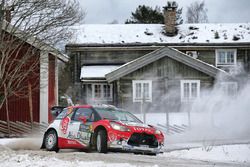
224	153
15	152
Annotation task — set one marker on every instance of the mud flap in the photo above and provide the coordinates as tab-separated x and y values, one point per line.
43	143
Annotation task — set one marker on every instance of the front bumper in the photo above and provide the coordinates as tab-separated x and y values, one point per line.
123	145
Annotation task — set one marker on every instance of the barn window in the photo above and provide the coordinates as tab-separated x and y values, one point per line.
102	92
190	90
142	90
225	57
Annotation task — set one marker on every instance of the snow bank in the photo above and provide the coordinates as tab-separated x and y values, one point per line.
232	153
24	160
22	143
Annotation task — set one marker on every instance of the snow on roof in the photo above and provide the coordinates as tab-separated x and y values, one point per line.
96	71
153	33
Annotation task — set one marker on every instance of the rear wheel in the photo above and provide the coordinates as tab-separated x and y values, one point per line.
101	141
51	141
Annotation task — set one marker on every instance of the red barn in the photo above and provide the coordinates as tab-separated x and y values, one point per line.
40	85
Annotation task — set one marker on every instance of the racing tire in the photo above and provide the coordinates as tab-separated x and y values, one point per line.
101	142
51	141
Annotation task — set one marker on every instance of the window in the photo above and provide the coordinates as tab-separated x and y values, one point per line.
225	57
229	88
190	90
63	114
142	90
86	112
102	92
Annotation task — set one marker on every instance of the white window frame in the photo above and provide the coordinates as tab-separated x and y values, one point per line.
102	98
218	64
190	98
225	88
142	82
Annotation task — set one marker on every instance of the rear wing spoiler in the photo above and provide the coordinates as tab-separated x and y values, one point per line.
56	110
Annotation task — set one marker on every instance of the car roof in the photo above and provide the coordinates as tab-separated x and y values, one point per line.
93	106
81	106
105	106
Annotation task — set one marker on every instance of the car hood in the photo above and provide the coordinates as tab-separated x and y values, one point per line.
139	127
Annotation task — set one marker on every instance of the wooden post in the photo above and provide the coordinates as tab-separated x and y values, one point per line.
7	109
119	99
30	105
167	119
143	100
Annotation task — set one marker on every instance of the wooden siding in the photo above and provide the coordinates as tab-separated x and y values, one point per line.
18	104
166	74
208	56
119	57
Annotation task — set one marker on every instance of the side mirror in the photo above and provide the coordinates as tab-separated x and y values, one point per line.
84	119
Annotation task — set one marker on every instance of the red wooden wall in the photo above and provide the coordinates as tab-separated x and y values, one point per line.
18	105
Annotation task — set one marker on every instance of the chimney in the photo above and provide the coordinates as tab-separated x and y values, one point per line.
170	19
7	14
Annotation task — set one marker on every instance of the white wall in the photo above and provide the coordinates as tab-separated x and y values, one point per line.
44	76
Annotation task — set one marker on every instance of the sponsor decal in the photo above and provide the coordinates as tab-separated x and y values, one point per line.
69	111
64	124
84	128
71	142
139	129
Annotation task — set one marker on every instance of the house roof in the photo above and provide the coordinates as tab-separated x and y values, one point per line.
158	54
96	71
34	41
188	34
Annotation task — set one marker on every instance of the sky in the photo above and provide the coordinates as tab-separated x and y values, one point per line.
219	11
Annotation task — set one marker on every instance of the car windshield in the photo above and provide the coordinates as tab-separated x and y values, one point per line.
117	115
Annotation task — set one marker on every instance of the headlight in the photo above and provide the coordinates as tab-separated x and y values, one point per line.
158	132
119	127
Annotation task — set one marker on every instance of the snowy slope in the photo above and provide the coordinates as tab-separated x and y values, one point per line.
234	153
153	33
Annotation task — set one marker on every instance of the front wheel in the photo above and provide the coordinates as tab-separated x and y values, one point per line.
51	141
101	141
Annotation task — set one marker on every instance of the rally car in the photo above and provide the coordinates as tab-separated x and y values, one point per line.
103	128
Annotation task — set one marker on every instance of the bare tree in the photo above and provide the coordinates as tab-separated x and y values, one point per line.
197	13
25	24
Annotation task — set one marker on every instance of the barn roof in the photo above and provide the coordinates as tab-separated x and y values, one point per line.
158	54
188	34
33	41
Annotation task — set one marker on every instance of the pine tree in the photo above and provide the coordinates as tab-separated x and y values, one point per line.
147	15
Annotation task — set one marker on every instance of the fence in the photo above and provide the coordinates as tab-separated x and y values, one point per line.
21	129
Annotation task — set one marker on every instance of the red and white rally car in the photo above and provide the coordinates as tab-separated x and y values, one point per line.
101	127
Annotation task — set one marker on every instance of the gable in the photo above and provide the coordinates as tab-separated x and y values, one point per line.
167	68
157	55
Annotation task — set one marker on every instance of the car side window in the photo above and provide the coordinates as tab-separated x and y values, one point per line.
86	112
62	114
